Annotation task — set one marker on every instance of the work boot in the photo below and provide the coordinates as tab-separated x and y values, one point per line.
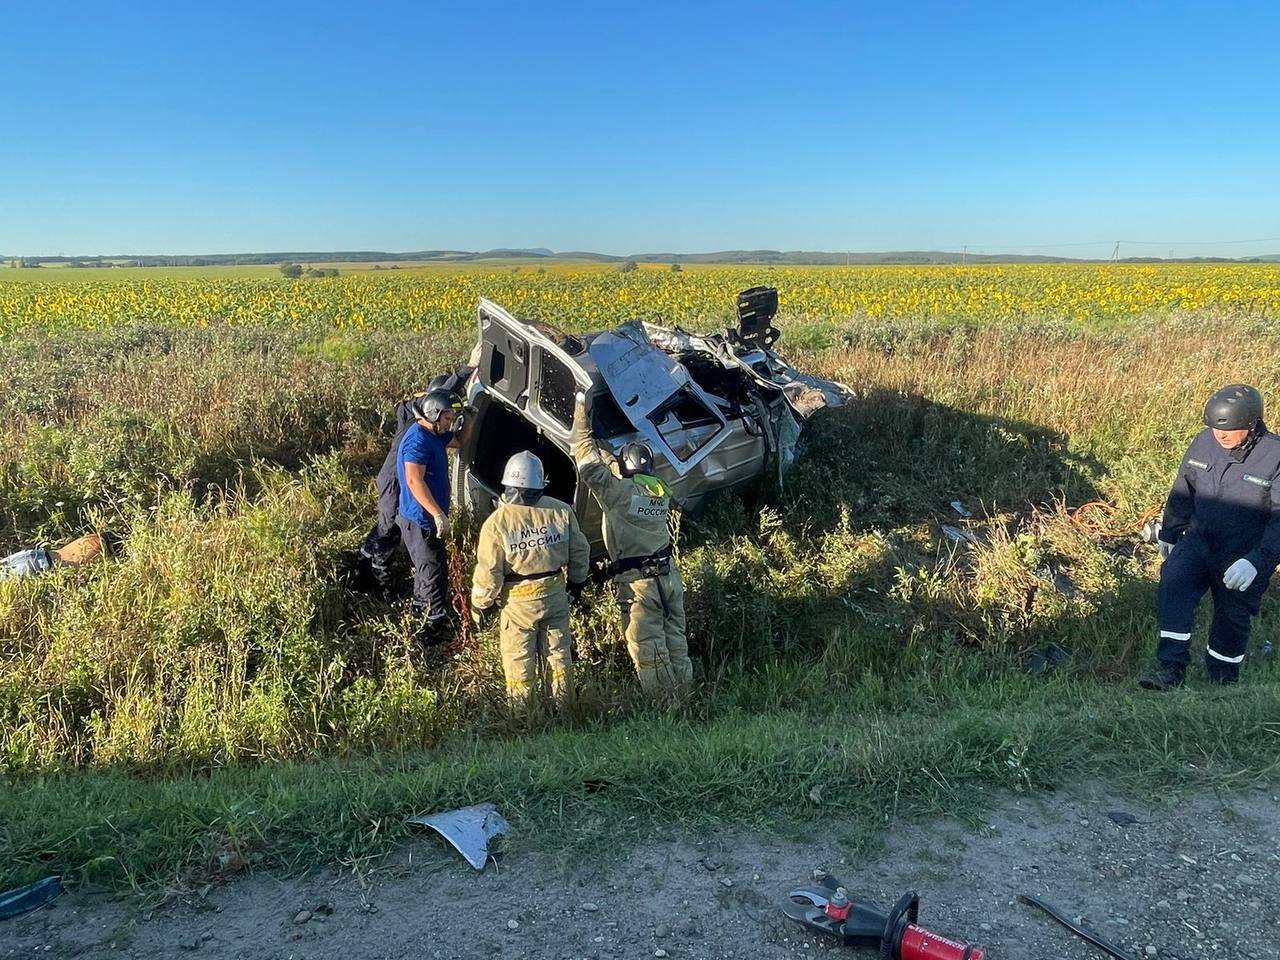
1162	678
357	574
434	631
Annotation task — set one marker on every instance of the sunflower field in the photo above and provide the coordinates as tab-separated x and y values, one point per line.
592	296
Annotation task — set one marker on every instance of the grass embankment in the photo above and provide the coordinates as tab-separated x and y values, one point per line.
856	662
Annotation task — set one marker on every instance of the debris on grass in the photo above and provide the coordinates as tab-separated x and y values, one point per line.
468	829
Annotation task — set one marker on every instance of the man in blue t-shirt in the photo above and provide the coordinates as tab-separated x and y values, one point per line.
422	469
372	567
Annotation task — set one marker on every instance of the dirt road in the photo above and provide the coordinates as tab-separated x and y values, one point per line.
1198	879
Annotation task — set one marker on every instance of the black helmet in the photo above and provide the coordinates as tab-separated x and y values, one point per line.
1237	406
431	404
635	457
440	382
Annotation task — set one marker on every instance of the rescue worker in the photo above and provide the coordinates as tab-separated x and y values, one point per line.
380	543
422	470
527	547
635	506
1220	534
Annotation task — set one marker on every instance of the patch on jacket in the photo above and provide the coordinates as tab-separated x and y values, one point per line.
1198	463
1258	480
643	506
534	537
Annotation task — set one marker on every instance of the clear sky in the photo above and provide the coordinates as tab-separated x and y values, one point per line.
627	128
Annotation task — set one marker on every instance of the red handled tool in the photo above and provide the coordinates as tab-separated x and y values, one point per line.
827	908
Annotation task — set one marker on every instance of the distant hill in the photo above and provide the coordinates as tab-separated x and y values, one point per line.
818	257
768	257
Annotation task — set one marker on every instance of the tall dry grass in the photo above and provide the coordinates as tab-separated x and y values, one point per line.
235	465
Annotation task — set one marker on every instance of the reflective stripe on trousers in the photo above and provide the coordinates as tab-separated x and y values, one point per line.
534	637
653	625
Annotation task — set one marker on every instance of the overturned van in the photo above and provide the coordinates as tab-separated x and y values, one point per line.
718	410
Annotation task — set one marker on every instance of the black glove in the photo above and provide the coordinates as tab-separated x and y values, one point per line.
575	591
482	617
600	571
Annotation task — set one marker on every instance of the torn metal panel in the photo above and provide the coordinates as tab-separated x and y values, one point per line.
658	396
957	534
468	829
805	393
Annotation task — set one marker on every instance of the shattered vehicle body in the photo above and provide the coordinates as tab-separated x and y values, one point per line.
718	410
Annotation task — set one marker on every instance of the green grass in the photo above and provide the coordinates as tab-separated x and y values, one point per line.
944	750
215	686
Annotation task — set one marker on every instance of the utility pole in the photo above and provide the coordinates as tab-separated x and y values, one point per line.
1115	254
964	256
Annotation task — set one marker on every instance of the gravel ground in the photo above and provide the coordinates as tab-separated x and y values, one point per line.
1195	879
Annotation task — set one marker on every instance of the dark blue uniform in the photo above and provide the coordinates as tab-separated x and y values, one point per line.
384	536
1224	506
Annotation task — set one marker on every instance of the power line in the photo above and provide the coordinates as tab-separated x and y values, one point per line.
1198	243
1105	243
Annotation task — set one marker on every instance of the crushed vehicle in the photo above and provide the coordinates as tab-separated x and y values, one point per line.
718	410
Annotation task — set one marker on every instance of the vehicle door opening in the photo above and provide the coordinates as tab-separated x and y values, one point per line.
502	432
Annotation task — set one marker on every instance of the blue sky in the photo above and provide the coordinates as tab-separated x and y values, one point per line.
682	127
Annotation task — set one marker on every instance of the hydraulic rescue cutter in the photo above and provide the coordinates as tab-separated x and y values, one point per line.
825	906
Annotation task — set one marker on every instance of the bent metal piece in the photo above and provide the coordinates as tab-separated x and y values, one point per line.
469	829
1082	932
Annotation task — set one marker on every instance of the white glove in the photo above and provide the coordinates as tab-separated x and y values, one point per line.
1166	548
441	523
1239	575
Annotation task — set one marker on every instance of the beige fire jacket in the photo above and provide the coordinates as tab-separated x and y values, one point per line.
519	543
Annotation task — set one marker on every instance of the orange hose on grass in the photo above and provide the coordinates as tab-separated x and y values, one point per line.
1095	516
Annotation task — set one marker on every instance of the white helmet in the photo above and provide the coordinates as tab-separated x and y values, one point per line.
524	472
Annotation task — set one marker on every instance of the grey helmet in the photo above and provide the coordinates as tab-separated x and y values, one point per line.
524	472
431	404
635	457
1237	406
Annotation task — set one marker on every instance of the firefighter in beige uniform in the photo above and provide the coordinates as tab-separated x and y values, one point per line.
634	508
525	546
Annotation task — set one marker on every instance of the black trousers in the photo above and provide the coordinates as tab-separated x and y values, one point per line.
1187	575
430	569
380	542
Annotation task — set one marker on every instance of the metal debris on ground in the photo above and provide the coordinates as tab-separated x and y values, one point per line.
1048	658
958	535
468	829
959	508
1061	582
22	899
